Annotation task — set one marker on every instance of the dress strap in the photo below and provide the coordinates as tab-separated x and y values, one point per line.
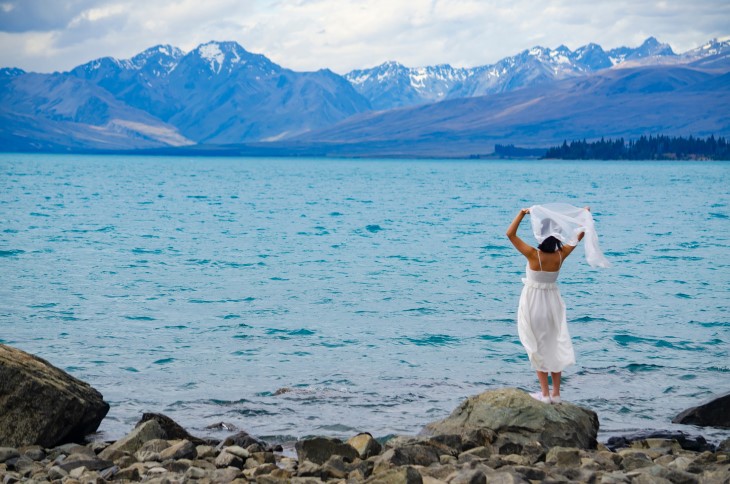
561	260
538	258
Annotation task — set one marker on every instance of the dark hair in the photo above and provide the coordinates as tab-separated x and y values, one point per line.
549	245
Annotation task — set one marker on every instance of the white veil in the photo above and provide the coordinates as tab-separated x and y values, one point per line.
565	222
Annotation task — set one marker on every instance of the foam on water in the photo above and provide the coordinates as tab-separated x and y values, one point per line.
301	297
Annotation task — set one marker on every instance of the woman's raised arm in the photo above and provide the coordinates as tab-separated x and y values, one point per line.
519	244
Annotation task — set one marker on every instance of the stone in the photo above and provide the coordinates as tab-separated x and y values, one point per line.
147	456
205	451
264	457
365	445
516	417
563	457
194	473
7	453
33	452
225	475
398	475
226	459
43	405
109	472
469	476
134	440
530	473
687	442
724	446
635	461
481	452
177	466
94	464
238	451
181	450
56	472
714	413
308	468
241	439
155	445
172	429
335	468
505	477
319	449
418	454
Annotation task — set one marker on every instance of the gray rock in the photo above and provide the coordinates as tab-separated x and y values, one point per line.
128	474
308	468
239	451
398	475
194	473
501	477
133	441
417	454
172	429
516	417
155	445
177	466
181	450
563	457
92	464
225	475
42	404
469	476
635	461
319	449
55	473
715	413
205	451
33	452
7	453
226	459
365	445
147	456
241	439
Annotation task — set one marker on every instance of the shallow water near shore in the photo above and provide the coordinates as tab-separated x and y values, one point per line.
295	297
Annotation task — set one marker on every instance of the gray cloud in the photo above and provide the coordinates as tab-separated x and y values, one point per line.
41	15
345	34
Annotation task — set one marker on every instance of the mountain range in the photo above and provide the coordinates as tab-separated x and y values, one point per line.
219	94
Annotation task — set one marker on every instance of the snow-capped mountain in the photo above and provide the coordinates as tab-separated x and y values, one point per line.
219	93
392	85
216	93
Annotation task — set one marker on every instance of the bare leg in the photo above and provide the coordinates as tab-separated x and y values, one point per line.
542	377
556	384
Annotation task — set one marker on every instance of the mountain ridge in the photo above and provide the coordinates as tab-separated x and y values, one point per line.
221	94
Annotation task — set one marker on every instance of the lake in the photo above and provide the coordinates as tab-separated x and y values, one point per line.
294	297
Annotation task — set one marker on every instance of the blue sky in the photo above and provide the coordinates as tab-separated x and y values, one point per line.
48	35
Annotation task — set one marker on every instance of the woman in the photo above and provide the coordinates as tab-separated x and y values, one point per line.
541	320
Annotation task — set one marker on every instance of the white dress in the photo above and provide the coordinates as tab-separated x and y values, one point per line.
542	324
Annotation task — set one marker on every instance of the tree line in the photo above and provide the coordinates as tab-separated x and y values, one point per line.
645	148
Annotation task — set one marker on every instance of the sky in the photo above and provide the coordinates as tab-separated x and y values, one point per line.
342	35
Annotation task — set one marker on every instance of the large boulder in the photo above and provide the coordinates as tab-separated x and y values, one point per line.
43	405
518	419
319	449
715	413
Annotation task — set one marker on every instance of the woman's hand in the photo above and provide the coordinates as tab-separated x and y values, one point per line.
525	211
587	208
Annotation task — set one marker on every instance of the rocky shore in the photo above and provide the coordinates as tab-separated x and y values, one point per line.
499	436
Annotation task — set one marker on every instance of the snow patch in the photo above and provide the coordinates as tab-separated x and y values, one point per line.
213	54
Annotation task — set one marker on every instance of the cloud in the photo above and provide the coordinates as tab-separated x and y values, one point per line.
41	15
345	34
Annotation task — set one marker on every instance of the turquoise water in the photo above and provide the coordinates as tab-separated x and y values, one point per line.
296	297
